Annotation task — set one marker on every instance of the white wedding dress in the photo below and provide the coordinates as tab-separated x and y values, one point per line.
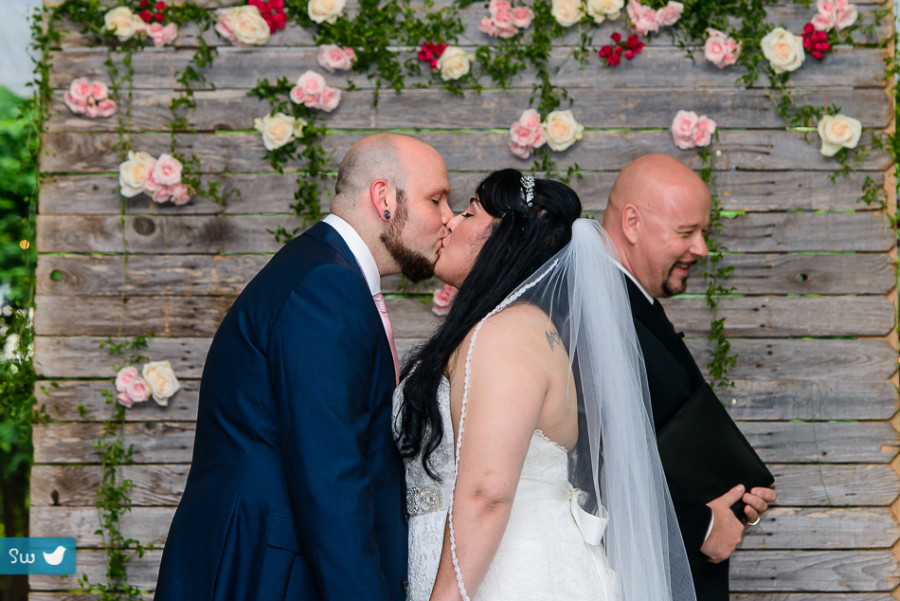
551	549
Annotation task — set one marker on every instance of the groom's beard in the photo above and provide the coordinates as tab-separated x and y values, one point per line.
414	265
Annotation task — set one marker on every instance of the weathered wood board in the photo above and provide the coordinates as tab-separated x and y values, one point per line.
812	316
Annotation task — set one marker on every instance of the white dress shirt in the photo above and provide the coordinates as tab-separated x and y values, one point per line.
360	251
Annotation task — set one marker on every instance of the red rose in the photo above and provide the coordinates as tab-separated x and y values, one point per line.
146	16
629	54
144	3
159	16
439	49
639	47
618	50
807	44
808	28
160	6
434	62
605	51
632	42
616	37
614	60
818	54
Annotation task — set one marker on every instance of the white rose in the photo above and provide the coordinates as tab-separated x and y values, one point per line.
567	12
278	129
123	23
133	173
325	11
838	131
162	381
600	10
783	49
562	130
248	25
454	63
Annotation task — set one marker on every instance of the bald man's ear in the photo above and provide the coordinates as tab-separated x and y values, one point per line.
380	197
631	223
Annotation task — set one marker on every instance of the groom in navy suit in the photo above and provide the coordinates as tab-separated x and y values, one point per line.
296	490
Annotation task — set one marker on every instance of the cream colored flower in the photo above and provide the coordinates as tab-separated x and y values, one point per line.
325	11
278	129
783	49
838	131
600	10
567	12
248	25
454	63
133	173
562	130
123	23
162	381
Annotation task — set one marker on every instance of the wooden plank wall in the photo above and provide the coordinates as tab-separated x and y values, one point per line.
813	322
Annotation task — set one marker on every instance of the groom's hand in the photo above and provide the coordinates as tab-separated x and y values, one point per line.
727	530
758	501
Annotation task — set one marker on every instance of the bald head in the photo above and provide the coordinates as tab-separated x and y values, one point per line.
657	217
393	190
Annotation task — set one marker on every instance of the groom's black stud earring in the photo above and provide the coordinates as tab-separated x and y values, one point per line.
387	214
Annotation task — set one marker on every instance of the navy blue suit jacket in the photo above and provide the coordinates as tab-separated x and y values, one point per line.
296	490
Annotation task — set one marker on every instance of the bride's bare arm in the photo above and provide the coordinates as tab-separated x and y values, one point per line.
512	369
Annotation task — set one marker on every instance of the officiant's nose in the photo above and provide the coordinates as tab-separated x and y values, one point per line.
698	245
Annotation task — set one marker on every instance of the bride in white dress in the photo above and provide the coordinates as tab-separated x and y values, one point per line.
531	463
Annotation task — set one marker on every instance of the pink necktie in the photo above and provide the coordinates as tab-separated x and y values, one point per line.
382	309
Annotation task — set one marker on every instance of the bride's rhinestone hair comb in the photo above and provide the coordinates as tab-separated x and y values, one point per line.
528	189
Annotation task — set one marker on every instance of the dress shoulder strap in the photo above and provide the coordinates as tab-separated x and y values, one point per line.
513	297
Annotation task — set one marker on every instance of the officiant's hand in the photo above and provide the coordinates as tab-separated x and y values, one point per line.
727	530
757	500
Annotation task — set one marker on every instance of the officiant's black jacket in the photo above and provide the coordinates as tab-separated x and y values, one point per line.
673	376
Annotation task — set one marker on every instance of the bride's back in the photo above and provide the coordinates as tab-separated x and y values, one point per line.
518	359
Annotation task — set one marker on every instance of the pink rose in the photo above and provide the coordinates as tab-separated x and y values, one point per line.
311	83
683	129
150	184
80	89
499	6
845	17
824	22
714	50
531	119
181	193
125	375
522	16
503	19
106	108
79	107
704	130
643	18
138	390
124	399
486	25
313	101
540	137
523	152
521	135
507	32
99	90
333	57
297	95
223	26
167	170
331	97
669	14
91	108
441	300
170	32
162	195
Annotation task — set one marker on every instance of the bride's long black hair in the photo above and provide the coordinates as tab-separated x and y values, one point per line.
521	241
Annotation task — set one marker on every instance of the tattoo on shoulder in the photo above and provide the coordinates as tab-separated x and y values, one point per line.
552	338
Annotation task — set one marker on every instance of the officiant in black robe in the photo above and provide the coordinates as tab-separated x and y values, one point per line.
657	217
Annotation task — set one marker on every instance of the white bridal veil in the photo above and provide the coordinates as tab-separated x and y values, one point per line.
583	292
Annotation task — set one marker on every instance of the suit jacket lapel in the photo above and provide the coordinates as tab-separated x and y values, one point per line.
654	318
328	235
